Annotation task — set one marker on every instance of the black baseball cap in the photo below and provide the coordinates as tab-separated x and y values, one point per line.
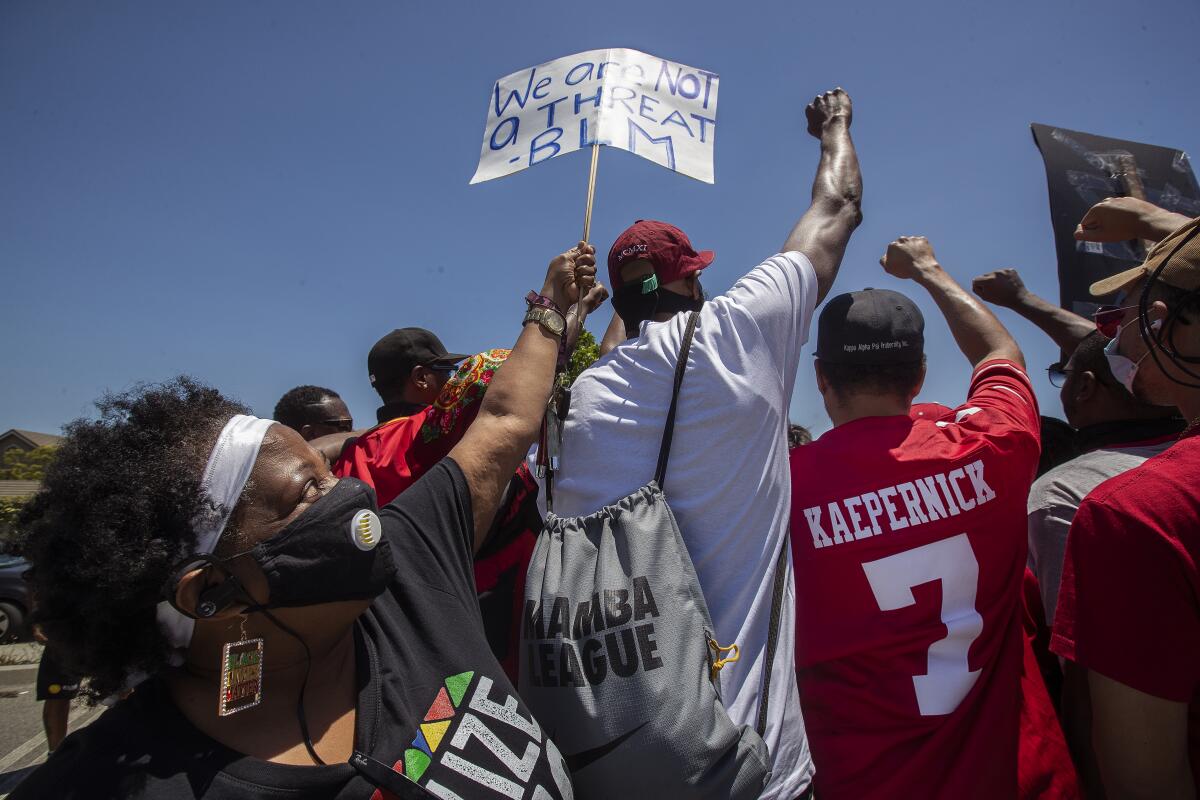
393	357
874	326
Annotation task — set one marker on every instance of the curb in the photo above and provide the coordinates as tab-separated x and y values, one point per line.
20	654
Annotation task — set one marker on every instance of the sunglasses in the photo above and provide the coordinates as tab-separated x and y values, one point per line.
339	425
1057	374
1108	319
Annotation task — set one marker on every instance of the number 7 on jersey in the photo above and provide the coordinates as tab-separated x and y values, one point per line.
948	676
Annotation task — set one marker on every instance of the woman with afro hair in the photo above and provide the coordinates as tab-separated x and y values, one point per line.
283	637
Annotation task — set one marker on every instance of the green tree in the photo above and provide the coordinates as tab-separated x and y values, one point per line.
19	465
25	465
9	508
587	350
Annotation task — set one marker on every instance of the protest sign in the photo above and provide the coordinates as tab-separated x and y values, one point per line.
1081	170
654	108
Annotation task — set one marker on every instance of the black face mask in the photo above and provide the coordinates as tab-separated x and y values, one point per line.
635	305
333	551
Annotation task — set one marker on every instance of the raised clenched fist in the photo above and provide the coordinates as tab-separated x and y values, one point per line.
1003	287
827	109
908	257
1115	219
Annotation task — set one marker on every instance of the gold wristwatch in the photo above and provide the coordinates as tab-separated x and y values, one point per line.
548	318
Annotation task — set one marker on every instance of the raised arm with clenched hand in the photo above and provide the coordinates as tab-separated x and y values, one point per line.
511	414
1119	219
1005	288
978	333
836	209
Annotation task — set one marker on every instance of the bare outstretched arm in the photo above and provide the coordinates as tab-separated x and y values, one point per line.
1005	288
511	414
331	445
836	208
1119	219
979	335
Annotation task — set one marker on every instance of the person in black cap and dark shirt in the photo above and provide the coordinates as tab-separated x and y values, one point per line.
408	368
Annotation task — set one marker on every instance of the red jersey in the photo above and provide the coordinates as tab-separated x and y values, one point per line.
1128	606
1045	770
909	544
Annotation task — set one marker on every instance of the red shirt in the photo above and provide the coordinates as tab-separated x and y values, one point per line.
1129	604
908	537
394	454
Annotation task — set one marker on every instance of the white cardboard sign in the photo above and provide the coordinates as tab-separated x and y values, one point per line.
654	108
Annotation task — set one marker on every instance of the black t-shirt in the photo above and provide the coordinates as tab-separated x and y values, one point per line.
433	703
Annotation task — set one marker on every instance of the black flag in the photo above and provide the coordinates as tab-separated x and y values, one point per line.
1083	169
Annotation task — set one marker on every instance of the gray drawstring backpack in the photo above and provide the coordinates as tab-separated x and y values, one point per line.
618	656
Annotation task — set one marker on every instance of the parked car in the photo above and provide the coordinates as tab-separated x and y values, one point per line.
16	599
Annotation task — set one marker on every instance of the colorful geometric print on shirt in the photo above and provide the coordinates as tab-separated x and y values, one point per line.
908	538
440	759
464	390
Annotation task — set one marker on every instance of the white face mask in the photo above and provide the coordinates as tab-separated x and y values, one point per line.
1123	368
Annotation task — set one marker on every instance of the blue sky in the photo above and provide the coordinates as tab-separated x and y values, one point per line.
253	193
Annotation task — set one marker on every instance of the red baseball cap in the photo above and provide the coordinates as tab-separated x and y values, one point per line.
666	247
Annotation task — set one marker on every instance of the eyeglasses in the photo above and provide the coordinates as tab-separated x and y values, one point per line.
1057	374
339	425
1108	319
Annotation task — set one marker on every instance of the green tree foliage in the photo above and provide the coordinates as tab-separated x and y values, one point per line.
19	465
9	508
587	350
25	465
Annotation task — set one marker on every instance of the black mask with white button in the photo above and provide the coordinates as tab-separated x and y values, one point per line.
333	551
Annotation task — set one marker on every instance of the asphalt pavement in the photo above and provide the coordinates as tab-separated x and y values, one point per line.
22	741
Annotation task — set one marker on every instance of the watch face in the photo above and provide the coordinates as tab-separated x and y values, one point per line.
553	321
547	319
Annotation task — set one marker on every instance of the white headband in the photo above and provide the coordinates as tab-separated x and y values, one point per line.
229	466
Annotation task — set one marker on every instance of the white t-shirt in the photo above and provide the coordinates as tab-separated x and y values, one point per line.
727	480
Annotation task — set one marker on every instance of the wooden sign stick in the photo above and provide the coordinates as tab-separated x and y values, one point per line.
591	191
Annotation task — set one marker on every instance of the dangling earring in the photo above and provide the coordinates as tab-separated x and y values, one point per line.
241	674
